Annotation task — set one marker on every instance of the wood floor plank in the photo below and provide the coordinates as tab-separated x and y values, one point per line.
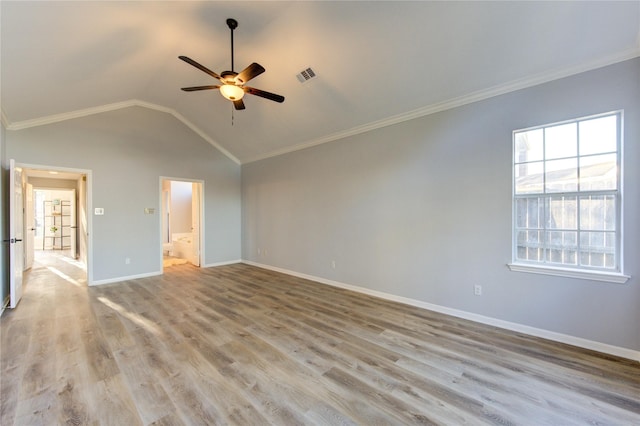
113	404
38	409
100	359
38	374
240	345
192	405
72	401
150	398
14	341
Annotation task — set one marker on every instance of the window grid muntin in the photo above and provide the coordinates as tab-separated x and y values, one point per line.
544	243
546	246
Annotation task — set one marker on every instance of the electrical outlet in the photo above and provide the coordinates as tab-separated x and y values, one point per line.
477	290
127	261
333	264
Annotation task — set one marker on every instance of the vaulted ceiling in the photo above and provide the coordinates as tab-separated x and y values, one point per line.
376	62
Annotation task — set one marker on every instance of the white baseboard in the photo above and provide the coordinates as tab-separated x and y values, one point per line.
125	278
512	326
153	274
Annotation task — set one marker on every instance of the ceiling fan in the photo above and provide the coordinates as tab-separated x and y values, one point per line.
233	83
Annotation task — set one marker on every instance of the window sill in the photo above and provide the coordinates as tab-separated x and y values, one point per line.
611	277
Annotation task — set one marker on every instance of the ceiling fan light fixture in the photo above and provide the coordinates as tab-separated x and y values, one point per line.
232	92
233	87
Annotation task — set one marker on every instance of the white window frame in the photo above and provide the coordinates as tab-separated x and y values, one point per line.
614	275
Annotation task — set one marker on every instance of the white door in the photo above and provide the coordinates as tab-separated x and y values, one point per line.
195	223
29	227
16	211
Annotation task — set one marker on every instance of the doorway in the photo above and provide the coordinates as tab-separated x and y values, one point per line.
56	220
181	223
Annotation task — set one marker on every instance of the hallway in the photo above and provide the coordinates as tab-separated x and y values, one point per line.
61	263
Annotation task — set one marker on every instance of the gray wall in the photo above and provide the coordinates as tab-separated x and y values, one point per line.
181	199
127	151
4	226
422	209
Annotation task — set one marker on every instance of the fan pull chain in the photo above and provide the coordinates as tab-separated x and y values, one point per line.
232	115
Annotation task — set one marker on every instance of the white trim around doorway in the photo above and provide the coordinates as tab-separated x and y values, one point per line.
89	216
201	213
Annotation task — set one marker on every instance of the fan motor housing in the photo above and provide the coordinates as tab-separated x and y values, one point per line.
228	76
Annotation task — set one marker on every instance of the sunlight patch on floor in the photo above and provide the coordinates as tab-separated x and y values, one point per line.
74	262
139	320
66	277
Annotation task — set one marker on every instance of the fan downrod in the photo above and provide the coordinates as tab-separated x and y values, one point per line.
232	24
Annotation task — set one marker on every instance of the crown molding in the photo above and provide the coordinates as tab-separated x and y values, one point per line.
457	102
41	121
56	118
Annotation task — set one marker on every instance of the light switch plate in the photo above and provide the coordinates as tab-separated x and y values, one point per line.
98	211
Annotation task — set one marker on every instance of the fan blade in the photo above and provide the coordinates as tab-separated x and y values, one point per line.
238	104
249	72
200	67
263	94
194	88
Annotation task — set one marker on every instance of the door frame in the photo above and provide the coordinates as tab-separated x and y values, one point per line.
28	225
200	212
89	208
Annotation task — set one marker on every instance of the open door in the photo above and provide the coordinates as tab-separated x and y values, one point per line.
16	218
195	223
29	227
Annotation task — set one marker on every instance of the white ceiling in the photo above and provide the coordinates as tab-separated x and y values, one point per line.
376	62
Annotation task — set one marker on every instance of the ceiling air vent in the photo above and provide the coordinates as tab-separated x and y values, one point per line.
305	75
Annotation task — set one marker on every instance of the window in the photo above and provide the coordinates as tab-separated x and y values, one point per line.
566	195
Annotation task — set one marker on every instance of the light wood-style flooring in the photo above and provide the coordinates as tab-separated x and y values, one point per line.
244	346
